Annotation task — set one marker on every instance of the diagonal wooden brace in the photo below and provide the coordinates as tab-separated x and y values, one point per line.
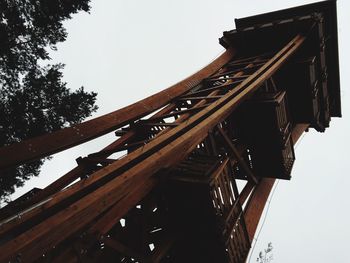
241	161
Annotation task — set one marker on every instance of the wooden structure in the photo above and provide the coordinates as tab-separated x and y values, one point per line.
173	197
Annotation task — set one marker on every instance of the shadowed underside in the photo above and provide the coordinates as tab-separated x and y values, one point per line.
174	195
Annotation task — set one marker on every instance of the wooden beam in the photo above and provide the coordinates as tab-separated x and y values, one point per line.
244	194
199	97
54	187
258	199
239	158
228	78
218	87
120	208
161	124
164	152
60	140
229	72
178	112
164	246
124	250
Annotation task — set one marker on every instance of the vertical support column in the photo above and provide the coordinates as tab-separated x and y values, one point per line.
258	199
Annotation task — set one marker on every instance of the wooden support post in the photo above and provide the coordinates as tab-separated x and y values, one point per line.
51	143
139	166
258	199
124	250
45	193
240	160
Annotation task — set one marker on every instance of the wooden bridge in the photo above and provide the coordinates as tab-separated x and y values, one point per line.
197	160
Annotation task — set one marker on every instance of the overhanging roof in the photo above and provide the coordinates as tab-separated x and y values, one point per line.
270	23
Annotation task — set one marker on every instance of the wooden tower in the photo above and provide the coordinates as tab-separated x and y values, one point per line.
173	196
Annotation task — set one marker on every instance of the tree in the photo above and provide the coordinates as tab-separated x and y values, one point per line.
34	99
266	256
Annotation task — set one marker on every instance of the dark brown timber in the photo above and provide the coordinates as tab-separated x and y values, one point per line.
63	139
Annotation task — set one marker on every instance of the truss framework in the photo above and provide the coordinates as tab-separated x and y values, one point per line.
195	162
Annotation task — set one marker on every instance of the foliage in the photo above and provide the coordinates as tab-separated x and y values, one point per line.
265	256
34	99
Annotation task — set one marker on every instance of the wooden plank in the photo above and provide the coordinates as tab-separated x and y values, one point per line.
120	141
107	221
185	116
199	97
228	78
179	112
173	148
244	194
115	146
215	174
168	108
68	255
124	250
256	204
60	140
229	72
259	57
101	160
258	199
41	237
234	63
92	179
222	87
163	248
161	124
54	187
240	160
130	146
200	103
57	185
212	144
150	144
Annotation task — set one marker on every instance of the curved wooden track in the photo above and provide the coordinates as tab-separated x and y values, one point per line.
191	120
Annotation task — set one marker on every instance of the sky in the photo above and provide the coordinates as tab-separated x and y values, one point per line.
127	50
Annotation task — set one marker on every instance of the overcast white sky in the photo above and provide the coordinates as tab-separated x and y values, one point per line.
127	50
